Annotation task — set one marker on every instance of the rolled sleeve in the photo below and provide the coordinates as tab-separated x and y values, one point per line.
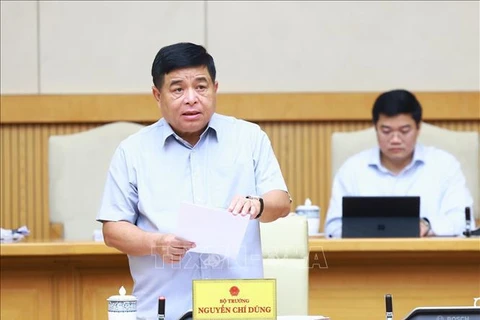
120	197
268	175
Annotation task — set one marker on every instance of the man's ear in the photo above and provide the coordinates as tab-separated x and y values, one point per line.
156	93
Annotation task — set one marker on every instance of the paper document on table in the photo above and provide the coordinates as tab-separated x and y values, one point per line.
213	230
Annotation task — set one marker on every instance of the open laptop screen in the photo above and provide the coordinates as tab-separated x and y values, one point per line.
381	217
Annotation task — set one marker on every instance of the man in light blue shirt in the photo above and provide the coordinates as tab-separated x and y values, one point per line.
400	166
190	155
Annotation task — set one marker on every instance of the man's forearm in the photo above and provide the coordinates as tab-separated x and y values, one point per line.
128	238
277	205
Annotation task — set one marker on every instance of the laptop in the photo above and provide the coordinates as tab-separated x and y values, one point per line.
381	217
438	313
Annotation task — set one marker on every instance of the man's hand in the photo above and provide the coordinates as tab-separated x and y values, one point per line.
243	206
425	229
171	248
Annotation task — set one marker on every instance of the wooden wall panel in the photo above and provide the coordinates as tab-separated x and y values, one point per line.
71	281
30	295
60	287
96	286
258	107
302	148
406	282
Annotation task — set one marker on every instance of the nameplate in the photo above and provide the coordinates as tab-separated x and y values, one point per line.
238	299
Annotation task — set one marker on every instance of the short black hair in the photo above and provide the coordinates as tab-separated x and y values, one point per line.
395	102
178	56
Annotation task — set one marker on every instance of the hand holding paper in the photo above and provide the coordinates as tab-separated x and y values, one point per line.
213	230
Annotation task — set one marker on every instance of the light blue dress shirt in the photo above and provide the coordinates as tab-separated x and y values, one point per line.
433	174
154	171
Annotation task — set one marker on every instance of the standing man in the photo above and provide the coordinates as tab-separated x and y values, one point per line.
194	155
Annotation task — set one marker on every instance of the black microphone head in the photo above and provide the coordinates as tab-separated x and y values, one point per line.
468	222
161	305
388	303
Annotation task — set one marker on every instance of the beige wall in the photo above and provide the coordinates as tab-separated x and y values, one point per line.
18	47
107	47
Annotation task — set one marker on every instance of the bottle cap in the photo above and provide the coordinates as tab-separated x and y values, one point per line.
307	206
122	296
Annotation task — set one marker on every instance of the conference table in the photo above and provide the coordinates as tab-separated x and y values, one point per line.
348	278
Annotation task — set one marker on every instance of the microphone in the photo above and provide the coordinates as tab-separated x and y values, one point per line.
468	219
161	308
388	307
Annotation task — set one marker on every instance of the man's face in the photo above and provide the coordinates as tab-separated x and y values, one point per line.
397	137
187	100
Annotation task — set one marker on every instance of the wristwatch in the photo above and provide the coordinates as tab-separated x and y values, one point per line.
260	199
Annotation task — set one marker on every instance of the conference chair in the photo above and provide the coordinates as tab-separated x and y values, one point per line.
285	258
463	145
78	165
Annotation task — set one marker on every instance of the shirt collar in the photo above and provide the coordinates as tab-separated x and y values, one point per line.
167	132
418	157
214	125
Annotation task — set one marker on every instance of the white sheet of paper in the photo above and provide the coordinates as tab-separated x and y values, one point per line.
213	230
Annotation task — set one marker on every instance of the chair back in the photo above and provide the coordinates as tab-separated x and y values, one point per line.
464	145
285	258
78	166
